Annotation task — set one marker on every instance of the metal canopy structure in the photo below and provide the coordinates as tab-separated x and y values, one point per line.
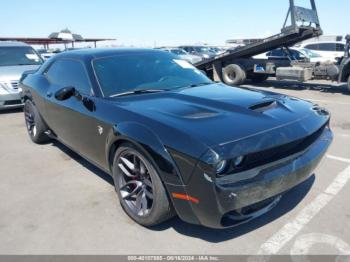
63	37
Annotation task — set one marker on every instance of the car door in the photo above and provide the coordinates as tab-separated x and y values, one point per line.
74	120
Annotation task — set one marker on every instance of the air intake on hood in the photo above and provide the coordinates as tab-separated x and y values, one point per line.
261	107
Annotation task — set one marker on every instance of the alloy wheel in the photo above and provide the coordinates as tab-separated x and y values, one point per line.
30	122
135	183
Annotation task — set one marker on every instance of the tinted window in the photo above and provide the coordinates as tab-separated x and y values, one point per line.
156	71
327	47
178	51
277	53
313	47
13	56
340	47
69	73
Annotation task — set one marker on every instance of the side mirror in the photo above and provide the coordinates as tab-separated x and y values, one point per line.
65	93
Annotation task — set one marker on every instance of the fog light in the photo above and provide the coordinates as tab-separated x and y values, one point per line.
221	166
238	161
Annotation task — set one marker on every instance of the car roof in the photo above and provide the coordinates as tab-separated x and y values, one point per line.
93	53
12	44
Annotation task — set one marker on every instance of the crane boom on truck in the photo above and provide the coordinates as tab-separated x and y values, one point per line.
235	66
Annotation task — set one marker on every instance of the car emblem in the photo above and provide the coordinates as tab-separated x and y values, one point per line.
100	130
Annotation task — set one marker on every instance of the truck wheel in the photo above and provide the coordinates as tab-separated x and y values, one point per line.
234	75
258	78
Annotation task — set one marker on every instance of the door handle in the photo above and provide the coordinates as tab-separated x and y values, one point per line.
49	94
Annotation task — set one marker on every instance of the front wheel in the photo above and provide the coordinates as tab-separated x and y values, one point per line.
35	125
139	187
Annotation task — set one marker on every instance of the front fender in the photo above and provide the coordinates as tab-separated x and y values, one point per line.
149	143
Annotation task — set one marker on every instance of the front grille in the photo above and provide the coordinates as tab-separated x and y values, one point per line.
274	154
14	84
245	214
13	102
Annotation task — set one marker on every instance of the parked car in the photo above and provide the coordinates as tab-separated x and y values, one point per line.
15	58
313	56
193	59
204	52
174	141
217	50
330	50
299	54
45	54
282	54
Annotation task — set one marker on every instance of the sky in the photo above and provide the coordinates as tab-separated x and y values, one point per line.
162	22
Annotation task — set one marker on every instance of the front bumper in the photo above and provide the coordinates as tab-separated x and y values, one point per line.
238	198
9	101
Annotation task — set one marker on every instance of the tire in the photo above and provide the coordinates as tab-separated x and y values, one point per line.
259	78
349	83
234	75
140	190
36	127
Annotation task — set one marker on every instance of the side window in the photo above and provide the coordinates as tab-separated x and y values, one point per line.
67	72
340	47
277	53
327	47
313	47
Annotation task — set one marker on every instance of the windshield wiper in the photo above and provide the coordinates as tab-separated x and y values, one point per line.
195	85
26	64
200	84
140	91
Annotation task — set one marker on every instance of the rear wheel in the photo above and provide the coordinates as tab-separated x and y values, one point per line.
234	75
35	125
139	187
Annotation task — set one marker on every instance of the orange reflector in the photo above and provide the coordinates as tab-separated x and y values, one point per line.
185	197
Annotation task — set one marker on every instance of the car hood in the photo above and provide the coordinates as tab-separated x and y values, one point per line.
221	116
14	73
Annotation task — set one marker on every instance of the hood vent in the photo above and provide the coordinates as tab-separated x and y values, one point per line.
262	107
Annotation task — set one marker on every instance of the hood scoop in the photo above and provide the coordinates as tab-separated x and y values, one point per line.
262	107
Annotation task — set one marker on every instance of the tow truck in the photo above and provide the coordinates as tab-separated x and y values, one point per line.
304	71
234	67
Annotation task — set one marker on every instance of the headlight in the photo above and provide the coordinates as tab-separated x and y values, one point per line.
221	167
238	161
3	90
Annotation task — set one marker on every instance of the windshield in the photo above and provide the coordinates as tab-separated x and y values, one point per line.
310	54
178	51
135	72
13	56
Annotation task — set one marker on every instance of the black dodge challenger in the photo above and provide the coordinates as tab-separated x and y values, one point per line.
174	141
